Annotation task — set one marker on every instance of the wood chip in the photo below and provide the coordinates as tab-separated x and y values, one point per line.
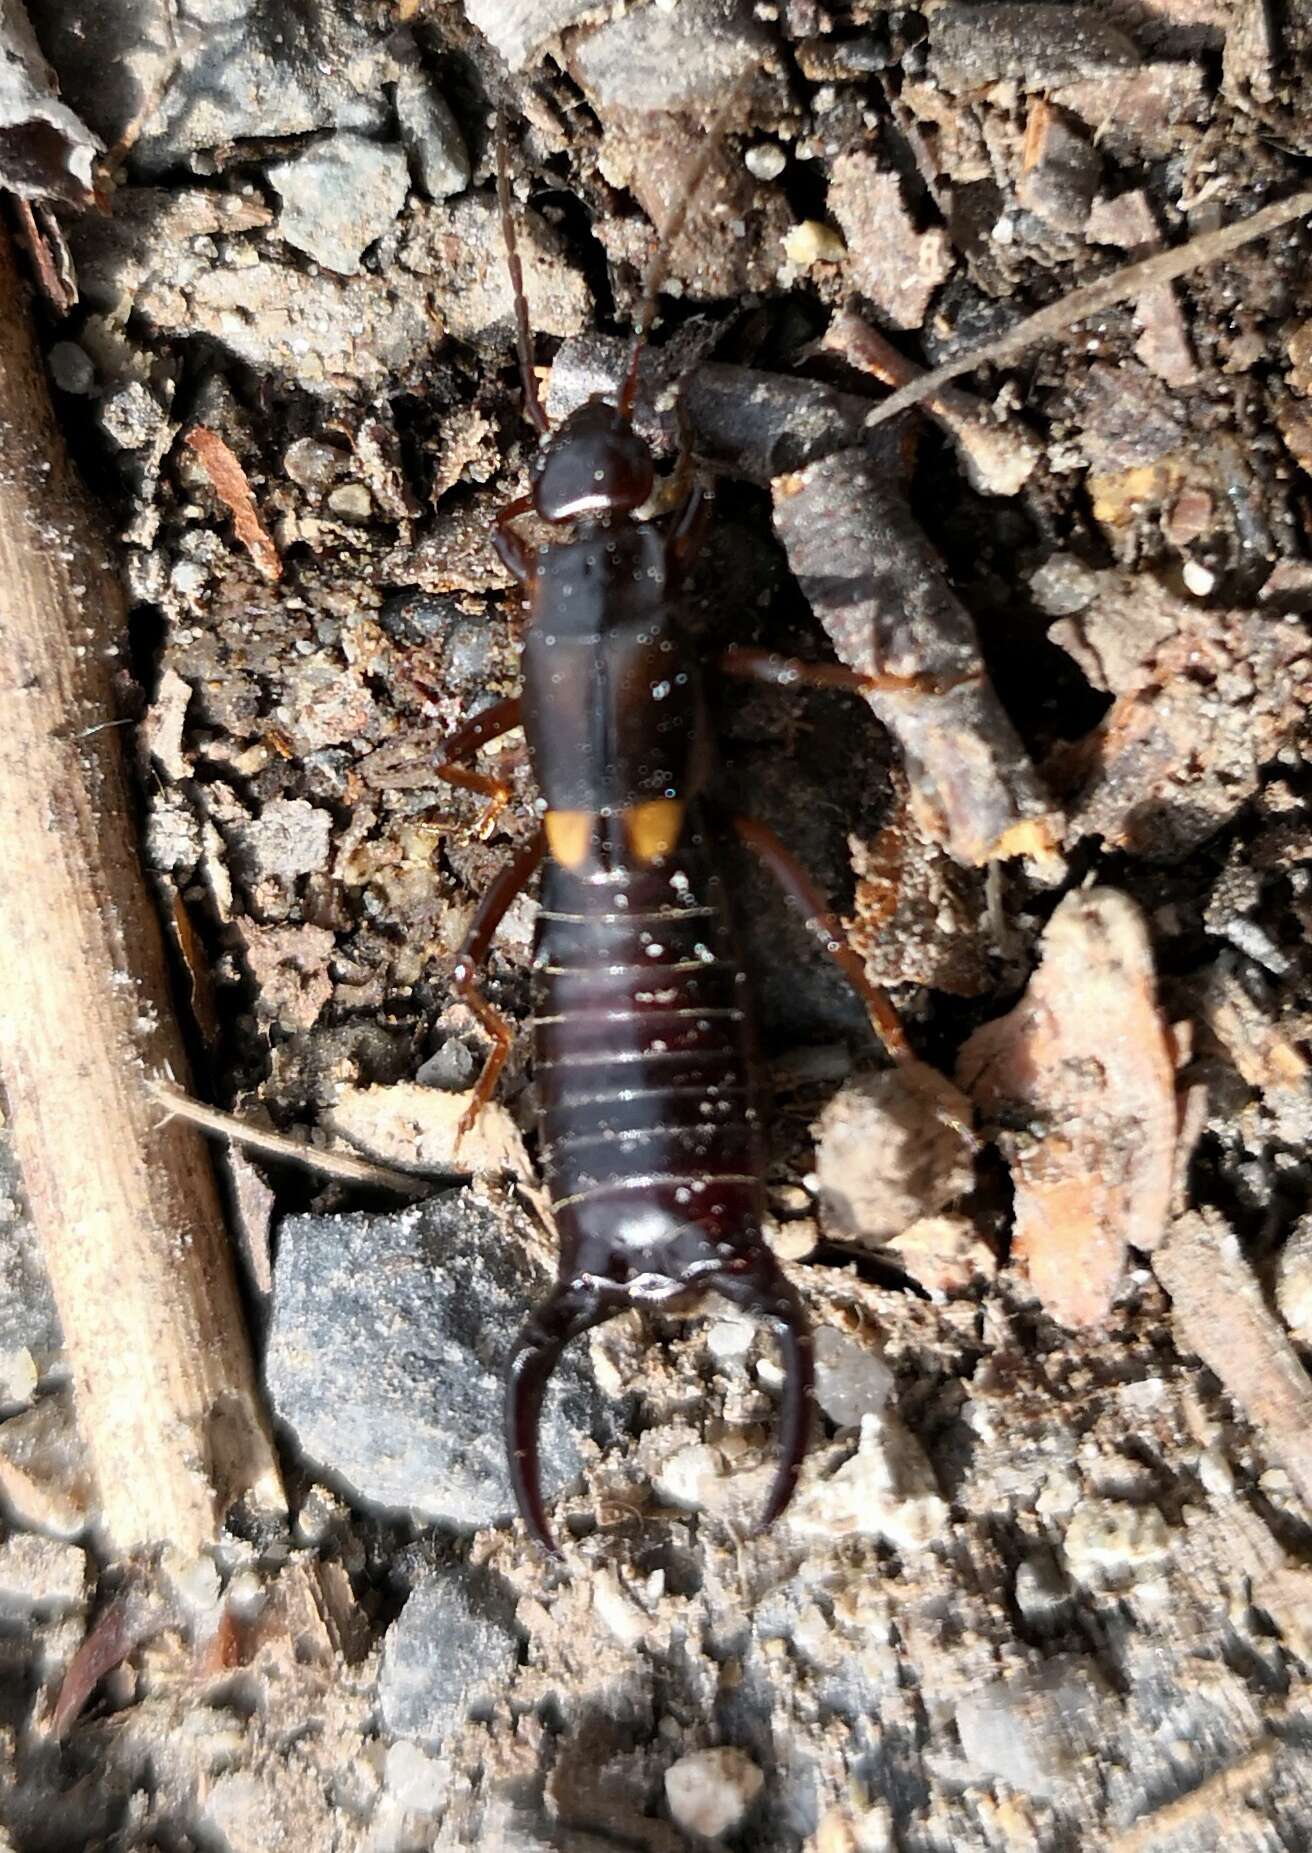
414	1127
229	482
1085	1059
1219	1314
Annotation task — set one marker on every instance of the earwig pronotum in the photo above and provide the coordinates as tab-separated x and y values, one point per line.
650	1136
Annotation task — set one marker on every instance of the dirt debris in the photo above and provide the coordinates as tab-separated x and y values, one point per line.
1113	524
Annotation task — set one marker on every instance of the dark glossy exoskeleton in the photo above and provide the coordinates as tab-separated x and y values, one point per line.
650	1130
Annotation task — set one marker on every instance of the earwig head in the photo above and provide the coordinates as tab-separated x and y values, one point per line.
594	463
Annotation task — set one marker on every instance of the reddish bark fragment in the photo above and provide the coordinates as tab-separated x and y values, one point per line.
1085	1058
229	482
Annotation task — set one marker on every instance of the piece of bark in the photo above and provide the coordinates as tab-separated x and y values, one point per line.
1084	1064
126	1208
888	259
1205	699
46	152
233	489
883	598
872	578
1219	1315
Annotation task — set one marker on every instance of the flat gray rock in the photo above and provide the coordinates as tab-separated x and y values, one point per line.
386	1352
339	197
451	1648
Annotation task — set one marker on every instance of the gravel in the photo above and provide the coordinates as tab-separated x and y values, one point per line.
387	1345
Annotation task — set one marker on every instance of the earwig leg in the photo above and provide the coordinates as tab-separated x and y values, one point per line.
491	912
537	1352
688	533
495	790
487	725
508	546
788	672
804	894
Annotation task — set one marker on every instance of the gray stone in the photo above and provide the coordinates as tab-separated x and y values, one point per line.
71	367
432	138
1038	45
447	1653
131	416
339	197
290	837
1034	1730
40	1575
386	1353
44	1474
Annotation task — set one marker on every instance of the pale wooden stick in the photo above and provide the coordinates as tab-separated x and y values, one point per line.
1130	280
279	1145
126	1209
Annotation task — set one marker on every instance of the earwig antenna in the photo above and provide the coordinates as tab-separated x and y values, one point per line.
523	331
660	263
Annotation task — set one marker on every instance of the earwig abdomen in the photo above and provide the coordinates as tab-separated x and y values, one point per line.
640	1049
649	1128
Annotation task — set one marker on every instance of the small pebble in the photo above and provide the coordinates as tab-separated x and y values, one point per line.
1197	578
710	1791
312	465
38	1573
71	367
431	137
812	242
450	1068
1111	1537
350	502
729	1338
1042	1595
767	161
851	1380
417	1782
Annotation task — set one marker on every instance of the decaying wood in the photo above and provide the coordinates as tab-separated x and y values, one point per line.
1083	1064
874	583
1220	1316
126	1208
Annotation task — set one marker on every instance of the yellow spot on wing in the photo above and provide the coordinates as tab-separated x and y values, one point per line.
569	836
654	829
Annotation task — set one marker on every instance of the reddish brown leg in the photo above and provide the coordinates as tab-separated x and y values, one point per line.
491	912
688	533
508	547
788	672
490	724
804	894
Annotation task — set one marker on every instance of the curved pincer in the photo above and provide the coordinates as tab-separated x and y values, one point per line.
759	1287
536	1353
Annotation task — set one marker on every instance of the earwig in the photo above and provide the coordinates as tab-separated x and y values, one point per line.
650	1132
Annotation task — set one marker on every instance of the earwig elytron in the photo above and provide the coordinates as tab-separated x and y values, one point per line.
650	1137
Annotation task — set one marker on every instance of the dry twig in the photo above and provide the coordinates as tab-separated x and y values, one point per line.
126	1210
280	1145
1058	318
